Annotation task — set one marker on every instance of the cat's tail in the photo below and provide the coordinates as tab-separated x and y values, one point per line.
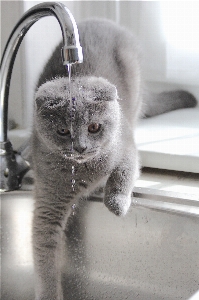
156	104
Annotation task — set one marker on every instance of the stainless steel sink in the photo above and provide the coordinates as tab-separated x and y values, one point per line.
152	253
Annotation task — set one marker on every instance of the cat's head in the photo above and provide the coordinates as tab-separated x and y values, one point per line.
81	122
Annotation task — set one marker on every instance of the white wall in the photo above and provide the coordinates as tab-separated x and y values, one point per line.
10	14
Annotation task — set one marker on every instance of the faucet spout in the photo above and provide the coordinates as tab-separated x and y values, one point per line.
71	53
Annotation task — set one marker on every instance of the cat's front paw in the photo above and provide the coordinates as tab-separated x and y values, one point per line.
118	204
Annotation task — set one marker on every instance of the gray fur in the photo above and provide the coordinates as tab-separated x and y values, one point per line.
107	89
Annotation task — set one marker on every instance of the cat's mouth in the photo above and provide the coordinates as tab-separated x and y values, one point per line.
80	158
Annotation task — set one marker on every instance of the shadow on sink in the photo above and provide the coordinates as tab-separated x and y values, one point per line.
148	254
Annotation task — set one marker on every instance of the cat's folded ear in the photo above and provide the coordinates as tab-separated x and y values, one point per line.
39	101
47	102
42	94
104	90
40	97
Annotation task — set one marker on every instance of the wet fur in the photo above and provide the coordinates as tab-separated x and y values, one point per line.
108	90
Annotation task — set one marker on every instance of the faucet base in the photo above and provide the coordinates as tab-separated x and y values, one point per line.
13	167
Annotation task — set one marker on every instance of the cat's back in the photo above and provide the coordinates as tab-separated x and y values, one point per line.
109	51
102	40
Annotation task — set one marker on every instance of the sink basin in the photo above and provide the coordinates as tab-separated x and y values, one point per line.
151	253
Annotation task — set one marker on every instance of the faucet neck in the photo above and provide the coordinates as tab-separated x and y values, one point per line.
13	165
71	52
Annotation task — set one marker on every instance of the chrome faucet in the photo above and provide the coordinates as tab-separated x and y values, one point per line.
13	166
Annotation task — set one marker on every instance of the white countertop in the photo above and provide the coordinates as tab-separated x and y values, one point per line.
170	141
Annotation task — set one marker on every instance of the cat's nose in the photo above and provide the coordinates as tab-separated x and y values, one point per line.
80	149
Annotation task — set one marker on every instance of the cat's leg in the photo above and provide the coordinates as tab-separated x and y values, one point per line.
48	225
120	185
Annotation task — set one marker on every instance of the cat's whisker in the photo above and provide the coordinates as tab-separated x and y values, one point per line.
50	153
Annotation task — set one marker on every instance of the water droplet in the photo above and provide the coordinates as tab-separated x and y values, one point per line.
73	170
73	206
6	172
73	181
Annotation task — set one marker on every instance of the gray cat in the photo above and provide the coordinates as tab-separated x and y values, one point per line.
84	139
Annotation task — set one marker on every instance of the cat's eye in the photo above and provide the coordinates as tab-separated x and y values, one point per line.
94	127
63	131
